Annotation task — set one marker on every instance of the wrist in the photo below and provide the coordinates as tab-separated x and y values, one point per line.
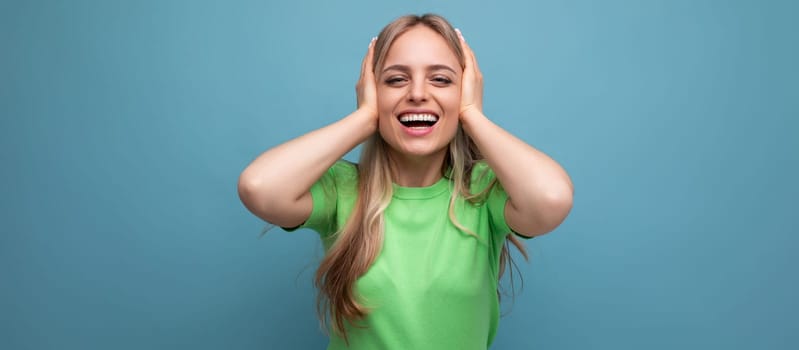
365	120
470	117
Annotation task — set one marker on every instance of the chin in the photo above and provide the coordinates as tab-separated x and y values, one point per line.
417	150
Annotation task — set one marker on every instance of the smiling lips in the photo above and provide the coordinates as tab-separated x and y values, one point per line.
418	124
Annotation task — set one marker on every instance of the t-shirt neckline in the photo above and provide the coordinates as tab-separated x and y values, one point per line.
421	192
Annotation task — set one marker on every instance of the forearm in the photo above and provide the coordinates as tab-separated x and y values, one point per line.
537	186
287	172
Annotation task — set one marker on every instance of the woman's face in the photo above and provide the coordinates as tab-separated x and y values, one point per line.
419	93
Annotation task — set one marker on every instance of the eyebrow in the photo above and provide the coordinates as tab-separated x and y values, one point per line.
404	68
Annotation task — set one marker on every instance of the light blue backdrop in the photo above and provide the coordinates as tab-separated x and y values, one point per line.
126	124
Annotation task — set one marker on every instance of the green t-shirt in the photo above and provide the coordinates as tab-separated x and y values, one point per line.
432	286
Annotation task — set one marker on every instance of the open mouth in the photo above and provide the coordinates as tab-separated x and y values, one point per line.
418	121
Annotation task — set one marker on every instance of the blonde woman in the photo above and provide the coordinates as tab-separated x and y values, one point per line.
416	233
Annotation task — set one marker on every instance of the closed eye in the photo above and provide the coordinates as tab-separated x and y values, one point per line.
394	80
442	80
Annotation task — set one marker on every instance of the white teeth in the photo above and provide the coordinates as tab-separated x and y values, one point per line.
418	117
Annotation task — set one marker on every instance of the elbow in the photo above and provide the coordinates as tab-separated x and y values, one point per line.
252	192
248	184
247	189
558	205
546	213
269	202
560	208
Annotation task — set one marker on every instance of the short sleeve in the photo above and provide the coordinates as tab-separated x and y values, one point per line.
495	199
324	194
332	195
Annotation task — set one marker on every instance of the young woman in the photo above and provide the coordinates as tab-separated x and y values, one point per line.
416	232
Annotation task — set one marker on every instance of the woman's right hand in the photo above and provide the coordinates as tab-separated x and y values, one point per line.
276	185
366	89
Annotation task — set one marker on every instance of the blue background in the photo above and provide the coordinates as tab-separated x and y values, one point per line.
125	126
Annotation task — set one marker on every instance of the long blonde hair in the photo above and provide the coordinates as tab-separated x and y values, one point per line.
358	243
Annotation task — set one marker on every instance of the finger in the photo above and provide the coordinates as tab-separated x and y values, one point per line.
468	54
474	62
466	50
366	65
471	59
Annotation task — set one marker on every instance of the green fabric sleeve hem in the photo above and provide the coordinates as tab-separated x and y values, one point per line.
316	220
521	235
292	229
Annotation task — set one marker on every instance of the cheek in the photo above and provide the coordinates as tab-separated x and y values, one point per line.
456	103
386	100
451	104
386	103
451	101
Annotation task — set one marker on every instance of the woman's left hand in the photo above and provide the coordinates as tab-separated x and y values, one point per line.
471	83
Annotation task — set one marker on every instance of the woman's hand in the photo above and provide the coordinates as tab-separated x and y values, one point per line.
276	185
366	89
472	83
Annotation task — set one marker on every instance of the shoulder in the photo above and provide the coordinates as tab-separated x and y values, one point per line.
341	176
481	166
342	171
482	177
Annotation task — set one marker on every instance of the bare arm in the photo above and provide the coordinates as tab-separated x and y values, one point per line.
540	192
539	189
276	185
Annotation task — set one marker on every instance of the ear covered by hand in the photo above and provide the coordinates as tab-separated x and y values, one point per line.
471	86
365	89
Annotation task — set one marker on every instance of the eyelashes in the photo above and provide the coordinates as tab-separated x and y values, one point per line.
437	80
394	80
442	80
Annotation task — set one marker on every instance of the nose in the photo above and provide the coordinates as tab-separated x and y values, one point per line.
417	91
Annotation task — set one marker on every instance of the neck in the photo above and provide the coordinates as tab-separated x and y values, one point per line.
416	171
